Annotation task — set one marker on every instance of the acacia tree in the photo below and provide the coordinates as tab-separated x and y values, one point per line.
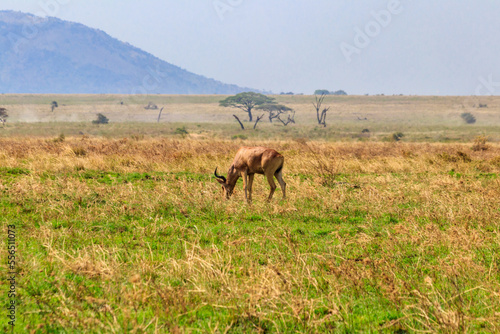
274	110
246	101
3	116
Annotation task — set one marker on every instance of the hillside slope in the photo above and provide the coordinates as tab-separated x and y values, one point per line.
54	56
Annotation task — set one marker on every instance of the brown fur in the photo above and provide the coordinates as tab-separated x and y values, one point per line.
250	161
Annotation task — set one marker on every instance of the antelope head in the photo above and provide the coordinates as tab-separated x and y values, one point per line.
227	187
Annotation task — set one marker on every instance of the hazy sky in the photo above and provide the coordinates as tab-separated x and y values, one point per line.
445	47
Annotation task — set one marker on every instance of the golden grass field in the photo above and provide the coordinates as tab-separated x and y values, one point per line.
123	228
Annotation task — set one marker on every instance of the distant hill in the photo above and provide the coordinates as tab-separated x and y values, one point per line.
54	56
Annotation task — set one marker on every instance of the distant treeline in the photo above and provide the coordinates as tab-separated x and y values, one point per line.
327	92
318	92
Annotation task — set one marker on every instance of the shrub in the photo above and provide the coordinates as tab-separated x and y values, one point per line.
101	119
181	131
468	118
365	131
397	136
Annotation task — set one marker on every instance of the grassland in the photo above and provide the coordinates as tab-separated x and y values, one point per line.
124	229
421	119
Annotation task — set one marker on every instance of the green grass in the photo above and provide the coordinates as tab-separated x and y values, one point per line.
349	132
107	251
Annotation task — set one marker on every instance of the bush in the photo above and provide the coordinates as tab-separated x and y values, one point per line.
468	118
101	119
181	131
397	136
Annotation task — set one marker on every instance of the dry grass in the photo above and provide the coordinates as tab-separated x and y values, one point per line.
131	235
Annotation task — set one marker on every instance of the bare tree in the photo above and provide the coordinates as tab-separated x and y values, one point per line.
159	115
321	116
54	105
257	121
241	124
291	118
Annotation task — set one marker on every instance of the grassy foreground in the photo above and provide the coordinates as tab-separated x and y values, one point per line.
131	235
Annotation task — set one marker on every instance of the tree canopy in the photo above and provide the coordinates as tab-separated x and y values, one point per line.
101	119
274	110
246	101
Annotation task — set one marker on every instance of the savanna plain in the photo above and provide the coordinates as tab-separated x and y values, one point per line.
391	222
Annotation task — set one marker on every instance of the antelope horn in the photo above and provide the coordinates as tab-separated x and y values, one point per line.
218	176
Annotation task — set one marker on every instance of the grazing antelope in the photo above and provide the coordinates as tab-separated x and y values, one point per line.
250	161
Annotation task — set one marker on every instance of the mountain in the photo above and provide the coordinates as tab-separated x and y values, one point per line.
49	55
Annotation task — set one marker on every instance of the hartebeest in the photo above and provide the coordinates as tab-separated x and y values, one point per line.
250	161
